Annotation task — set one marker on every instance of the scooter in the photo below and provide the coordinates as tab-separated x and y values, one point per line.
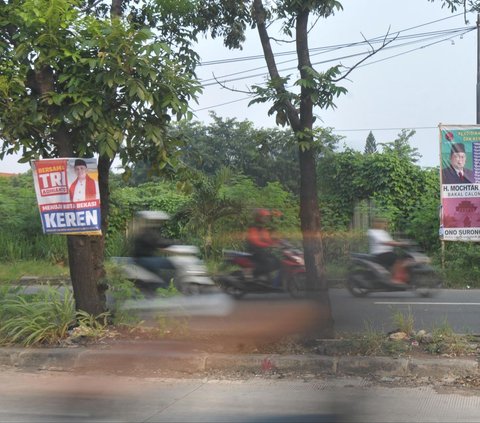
188	272
289	278
367	275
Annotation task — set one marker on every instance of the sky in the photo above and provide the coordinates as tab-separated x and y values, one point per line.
425	77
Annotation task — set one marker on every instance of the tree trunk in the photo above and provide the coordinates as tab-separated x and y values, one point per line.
86	255
309	210
82	258
301	123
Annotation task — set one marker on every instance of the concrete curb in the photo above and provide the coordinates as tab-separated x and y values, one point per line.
129	361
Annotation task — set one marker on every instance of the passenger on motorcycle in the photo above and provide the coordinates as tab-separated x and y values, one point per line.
260	244
382	245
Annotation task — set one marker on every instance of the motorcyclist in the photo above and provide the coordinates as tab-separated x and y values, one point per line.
382	245
149	241
260	244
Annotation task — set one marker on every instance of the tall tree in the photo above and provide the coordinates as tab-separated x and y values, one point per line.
292	107
85	78
370	144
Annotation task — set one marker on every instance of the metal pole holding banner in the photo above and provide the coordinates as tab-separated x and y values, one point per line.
478	69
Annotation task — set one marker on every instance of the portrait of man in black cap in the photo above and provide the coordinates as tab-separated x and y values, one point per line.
456	172
84	187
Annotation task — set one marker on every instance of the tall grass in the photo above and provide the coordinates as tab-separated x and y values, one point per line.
36	319
45	317
17	246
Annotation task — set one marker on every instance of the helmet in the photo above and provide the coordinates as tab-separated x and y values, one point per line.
261	215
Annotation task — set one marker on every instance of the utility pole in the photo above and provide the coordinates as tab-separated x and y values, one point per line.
478	69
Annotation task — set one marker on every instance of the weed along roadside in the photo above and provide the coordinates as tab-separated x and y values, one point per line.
42	331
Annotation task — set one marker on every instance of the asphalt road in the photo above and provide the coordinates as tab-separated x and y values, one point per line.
57	397
458	308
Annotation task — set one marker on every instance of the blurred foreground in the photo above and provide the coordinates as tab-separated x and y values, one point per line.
54	397
217	323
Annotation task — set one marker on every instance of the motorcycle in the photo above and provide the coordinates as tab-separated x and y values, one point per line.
366	275
180	263
187	271
289	278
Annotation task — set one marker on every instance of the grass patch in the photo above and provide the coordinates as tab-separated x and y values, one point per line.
373	342
45	318
42	318
445	341
404	322
13	271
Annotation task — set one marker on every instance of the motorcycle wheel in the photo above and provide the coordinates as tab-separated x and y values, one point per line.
190	289
354	282
297	285
230	288
426	284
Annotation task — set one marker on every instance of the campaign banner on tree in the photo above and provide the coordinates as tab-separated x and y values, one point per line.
67	195
460	182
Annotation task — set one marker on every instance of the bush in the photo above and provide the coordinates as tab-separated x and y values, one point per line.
461	264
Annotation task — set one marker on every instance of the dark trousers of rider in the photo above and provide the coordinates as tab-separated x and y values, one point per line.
161	266
387	259
265	261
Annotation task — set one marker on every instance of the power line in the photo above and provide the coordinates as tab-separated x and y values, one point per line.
455	32
334	47
460	32
416	128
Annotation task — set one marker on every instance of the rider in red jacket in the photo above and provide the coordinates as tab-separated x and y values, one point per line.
260	242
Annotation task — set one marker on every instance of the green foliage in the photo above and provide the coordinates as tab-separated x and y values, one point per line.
149	196
401	147
116	81
35	319
461	267
11	272
121	289
170	291
264	155
391	180
21	235
453	5
90	326
373	342
370	144
446	342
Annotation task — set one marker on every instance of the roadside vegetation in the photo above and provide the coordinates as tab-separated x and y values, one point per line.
349	195
233	166
406	340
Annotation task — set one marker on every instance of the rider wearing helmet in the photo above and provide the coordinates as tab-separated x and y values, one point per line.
260	242
149	240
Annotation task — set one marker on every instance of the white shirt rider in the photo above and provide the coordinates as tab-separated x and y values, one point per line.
378	240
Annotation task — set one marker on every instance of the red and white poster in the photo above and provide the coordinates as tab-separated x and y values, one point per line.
67	195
